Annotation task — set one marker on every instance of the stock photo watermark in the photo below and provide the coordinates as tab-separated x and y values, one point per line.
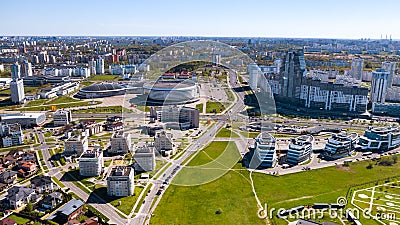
317	212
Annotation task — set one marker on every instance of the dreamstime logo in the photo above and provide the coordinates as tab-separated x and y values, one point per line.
341	201
318	213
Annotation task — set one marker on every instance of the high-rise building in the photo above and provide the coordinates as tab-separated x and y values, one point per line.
26	69
17	91
391	68
62	117
91	163
76	145
379	85
92	66
294	89
15	71
121	181
216	59
163	143
264	151
357	65
254	75
293	71
145	159
99	66
121	143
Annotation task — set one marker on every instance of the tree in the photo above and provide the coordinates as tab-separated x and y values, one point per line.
29	207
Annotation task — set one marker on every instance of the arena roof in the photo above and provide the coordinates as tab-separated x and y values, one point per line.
102	87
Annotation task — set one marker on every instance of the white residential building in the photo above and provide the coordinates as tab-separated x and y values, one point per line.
17	91
62	117
91	163
121	143
121	181
76	145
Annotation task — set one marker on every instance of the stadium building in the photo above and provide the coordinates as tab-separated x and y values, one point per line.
101	90
172	91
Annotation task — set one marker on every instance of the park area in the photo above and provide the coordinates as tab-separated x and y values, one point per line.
230	200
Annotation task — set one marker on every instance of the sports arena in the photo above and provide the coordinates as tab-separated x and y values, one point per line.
172	91
101	90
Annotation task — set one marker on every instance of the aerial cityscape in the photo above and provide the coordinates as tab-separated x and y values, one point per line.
144	113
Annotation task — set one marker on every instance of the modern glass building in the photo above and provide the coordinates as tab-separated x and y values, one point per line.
380	139
265	150
300	150
340	145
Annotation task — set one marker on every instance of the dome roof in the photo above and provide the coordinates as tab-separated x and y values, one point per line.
102	87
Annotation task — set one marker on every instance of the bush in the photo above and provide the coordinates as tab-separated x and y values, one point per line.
62	161
388	161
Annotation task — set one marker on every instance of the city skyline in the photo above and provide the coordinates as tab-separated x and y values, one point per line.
305	19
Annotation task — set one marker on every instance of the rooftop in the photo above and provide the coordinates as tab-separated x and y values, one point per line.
91	154
67	209
120	171
103	87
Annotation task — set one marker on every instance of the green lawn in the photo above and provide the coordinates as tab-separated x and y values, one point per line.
59	105
231	194
226	133
55	180
127	203
62	100
86	83
230	95
200	107
143	108
249	134
36	102
104	78
214	107
18	219
107	163
109	109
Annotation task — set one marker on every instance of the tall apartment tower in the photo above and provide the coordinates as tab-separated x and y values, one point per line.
92	66
391	68
99	66
357	65
293	70
17	91
26	69
15	71
254	75
379	85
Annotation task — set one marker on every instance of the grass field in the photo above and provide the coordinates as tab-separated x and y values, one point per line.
383	200
232	196
214	107
37	102
109	109
18	219
104	77
62	100
58	105
200	107
246	134
127	203
226	133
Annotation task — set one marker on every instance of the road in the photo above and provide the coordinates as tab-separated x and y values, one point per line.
148	207
93	200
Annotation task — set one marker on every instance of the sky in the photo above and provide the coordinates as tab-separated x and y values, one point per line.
352	19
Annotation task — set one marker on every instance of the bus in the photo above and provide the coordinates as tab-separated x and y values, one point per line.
367	153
